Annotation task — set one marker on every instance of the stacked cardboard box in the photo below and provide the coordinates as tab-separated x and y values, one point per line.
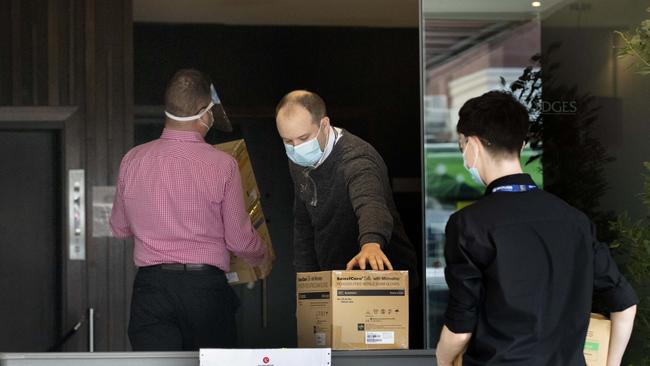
353	310
596	345
240	271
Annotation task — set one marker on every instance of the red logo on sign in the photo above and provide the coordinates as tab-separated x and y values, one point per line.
266	360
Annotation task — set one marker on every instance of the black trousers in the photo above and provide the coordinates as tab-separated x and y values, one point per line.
175	310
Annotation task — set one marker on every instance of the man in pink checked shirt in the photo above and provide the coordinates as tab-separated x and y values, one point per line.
182	202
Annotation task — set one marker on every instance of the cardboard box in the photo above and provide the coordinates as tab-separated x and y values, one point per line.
240	271
259	223
597	342
596	345
237	149
353	310
459	360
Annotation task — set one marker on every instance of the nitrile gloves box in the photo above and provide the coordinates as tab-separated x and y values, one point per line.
353	310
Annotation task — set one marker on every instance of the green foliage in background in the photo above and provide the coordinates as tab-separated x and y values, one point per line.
572	159
632	251
448	181
637	44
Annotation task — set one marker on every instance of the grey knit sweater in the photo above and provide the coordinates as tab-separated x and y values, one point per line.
344	203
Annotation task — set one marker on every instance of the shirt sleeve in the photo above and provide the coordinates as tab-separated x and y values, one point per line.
240	236
367	195
610	286
464	280
303	239
119	222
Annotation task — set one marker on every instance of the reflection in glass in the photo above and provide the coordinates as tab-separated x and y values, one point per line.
470	47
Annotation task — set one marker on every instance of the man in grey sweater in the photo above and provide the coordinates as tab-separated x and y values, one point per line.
344	213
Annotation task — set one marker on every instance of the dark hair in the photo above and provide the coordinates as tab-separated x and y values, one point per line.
498	119
311	101
187	92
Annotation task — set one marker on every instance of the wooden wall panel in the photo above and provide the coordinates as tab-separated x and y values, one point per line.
79	53
38	40
18	90
5	53
108	100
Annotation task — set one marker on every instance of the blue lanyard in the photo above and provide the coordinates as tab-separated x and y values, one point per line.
515	188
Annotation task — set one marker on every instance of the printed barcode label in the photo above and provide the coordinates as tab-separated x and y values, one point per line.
321	339
380	337
232	277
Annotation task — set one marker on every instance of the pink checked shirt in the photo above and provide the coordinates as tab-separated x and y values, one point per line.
182	201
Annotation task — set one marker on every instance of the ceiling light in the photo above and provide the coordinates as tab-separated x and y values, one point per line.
536	4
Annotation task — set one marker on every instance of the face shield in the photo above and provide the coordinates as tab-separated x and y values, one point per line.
221	120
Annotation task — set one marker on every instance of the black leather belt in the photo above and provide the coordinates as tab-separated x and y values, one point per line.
185	267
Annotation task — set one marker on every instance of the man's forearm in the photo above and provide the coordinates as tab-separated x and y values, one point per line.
450	346
622	324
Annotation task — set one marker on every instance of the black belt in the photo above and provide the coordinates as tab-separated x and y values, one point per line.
185	267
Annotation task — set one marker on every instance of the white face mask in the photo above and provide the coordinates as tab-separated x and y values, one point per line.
473	171
211	123
214	99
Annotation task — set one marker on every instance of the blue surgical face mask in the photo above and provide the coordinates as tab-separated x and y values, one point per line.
306	154
473	171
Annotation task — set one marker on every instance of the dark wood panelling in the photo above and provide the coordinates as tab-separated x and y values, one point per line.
16	54
6	46
39	46
127	133
108	30
79	53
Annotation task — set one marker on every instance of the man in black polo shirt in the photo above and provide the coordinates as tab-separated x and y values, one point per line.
522	265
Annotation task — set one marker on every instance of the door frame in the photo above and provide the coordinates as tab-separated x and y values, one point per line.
68	122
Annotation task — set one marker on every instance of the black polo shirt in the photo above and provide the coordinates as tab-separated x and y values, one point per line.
522	268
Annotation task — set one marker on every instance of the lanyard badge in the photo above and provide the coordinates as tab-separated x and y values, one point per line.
515	188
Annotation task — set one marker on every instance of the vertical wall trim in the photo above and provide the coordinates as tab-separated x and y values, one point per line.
16	59
35	65
53	54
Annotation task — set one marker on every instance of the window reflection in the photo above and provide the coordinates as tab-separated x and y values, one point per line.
465	55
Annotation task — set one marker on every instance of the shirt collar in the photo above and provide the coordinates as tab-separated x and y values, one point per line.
191	136
521	178
331	140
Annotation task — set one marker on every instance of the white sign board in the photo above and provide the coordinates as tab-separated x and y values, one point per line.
266	357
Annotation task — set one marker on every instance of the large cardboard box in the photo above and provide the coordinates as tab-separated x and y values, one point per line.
237	149
596	345
240	271
353	310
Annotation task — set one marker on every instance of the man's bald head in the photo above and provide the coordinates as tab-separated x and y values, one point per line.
312	102
187	92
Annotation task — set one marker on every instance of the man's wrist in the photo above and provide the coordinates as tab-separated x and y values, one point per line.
371	244
440	362
372	238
